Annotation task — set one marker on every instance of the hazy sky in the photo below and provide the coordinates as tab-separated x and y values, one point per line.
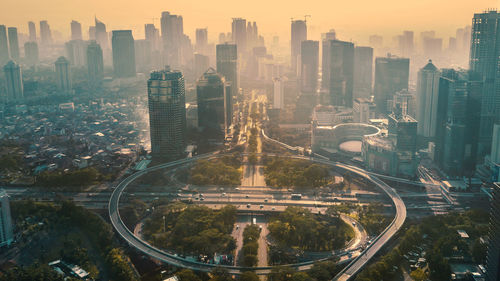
352	19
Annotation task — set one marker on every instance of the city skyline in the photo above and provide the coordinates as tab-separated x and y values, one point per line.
352	22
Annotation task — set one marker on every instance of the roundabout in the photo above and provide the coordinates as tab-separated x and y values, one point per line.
357	259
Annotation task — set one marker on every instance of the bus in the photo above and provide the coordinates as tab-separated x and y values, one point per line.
296	196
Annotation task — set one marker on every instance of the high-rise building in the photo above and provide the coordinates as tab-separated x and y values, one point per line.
76	52
123	53
92	33
227	64
13	43
405	43
484	59
299	34
13	82
279	93
101	35
376	41
309	59
31	53
363	72
211	96
239	34
95	64
76	30
391	76
4	45
495	145
340	72
459	145
32	31
201	40
201	64
363	109
63	75
493	253
45	33
152	36
6	233
143	53
428	100
172	33
167	114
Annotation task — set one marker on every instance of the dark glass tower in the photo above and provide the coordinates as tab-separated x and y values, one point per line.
227	64
95	64
309	70
210	91
493	256
123	53
391	76
167	115
341	72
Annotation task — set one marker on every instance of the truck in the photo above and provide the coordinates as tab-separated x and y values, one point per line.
296	196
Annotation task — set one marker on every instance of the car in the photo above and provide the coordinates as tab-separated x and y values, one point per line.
246	196
201	194
273	208
237	226
261	206
223	194
248	205
237	188
201	198
265	200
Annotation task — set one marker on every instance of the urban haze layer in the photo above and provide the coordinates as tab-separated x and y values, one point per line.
249	157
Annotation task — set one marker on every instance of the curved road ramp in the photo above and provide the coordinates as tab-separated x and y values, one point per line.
172	258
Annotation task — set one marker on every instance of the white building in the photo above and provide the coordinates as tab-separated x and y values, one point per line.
279	93
427	100
363	109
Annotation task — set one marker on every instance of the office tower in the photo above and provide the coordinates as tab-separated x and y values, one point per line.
484	59
201	64
92	33
143	55
76	52
32	31
363	109
239	34
432	47
167	114
123	53
309	59
6	234
95	64
428	100
211	94
493	253
495	144
376	41
4	45
363	72
172	33
340	72
13	82
152	36
31	53
227	64
201	40
13	43
76	30
63	75
279	93
391	76
405	43
45	33
101	35
459	144
299	34
330	35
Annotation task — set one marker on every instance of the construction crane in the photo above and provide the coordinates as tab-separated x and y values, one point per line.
306	16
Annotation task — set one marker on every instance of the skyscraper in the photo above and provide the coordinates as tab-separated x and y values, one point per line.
211	96
484	59
143	53
6	234
101	35
363	72
239	34
152	36
167	114
32	31
76	52
201	64
76	30
63	75
341	72
201	40
299	34
123	53
309	55
172	34
95	64
227	64
391	76
405	43
13	43
4	45
278	94
428	100
31	53
45	33
14	82
493	254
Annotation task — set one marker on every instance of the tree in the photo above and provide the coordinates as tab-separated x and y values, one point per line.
249	276
418	275
220	274
188	275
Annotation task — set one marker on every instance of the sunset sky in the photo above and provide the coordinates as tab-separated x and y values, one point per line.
352	19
